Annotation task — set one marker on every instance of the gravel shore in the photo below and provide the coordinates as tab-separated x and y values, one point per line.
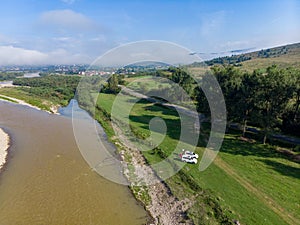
4	145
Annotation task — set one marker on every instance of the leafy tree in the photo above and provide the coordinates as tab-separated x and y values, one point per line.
58	88
230	80
296	91
260	98
10	75
112	84
272	97
291	118
246	98
184	80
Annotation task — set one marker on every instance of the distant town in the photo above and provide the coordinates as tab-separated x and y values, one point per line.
82	69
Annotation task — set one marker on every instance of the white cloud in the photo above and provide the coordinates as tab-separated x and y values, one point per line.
212	23
62	56
10	55
66	36
148	50
99	38
67	19
70	2
62	39
7	40
250	44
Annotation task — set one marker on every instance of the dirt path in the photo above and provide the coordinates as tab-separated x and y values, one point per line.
268	201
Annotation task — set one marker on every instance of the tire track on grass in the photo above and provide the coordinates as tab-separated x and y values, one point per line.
267	200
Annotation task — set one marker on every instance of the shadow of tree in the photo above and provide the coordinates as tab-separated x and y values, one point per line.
173	122
173	129
238	147
283	169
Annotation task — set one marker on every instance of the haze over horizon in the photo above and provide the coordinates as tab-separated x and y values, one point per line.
35	32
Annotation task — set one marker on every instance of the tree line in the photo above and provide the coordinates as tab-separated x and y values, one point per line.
54	87
268	99
10	75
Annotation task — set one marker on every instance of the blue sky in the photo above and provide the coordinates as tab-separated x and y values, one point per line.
78	31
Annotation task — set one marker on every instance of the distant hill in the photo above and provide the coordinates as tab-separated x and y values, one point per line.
283	56
144	65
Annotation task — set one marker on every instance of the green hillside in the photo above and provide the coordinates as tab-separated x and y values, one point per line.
283	56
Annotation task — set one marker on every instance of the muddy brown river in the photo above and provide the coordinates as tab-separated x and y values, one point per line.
46	180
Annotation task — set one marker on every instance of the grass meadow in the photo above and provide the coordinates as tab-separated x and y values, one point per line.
250	182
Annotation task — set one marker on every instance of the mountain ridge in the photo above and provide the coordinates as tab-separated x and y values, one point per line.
284	56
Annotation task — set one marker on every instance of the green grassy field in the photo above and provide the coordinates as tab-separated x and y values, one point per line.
283	56
249	182
147	83
283	61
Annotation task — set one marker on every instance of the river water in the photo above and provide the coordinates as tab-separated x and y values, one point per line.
31	75
46	181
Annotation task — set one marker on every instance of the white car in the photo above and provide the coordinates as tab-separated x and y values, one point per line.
194	155
189	159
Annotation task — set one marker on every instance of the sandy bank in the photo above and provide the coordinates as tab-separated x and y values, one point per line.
21	102
6	84
4	144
